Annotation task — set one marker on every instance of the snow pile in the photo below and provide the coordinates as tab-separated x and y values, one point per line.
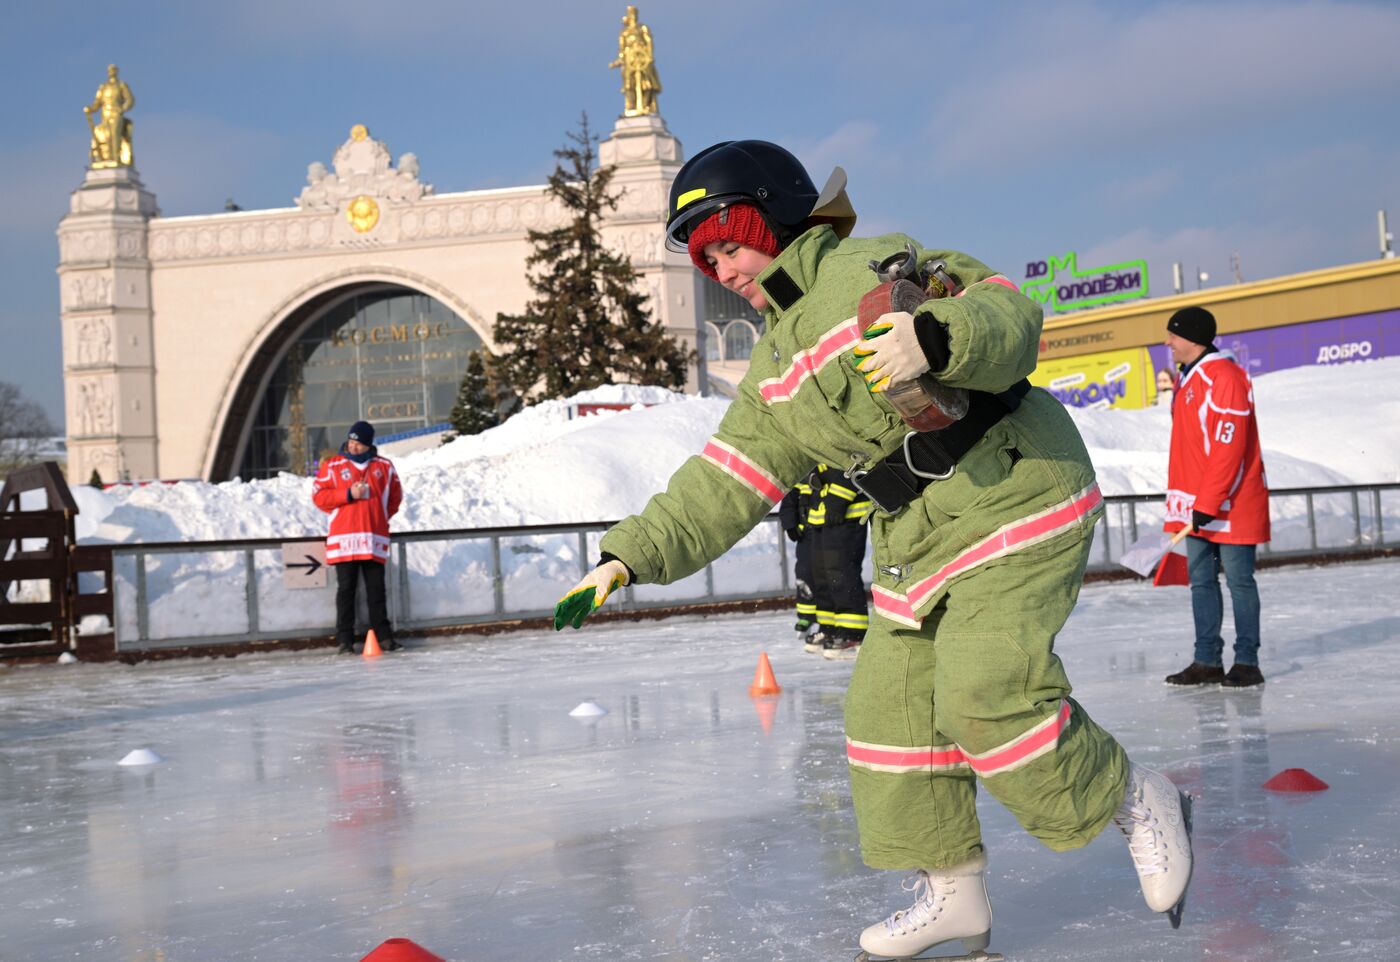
543	466
1320	425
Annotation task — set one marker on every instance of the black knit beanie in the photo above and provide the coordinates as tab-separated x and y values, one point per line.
361	431
1195	324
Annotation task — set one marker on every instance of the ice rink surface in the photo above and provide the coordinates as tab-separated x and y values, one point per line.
311	806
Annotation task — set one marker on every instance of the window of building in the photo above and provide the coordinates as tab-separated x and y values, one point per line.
387	355
739	338
713	341
719	303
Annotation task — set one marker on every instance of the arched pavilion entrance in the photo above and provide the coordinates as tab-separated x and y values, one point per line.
380	352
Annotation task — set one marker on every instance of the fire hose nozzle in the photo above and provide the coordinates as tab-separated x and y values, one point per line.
900	266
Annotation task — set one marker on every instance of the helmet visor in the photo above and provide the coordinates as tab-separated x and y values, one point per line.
695	214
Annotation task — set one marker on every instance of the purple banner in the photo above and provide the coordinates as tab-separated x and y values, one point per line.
1358	338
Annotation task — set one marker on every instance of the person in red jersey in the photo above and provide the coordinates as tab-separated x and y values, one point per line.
360	491
1216	487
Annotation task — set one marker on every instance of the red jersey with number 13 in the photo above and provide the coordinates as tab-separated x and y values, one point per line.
1216	466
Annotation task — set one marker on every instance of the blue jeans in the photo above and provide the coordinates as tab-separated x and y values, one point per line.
1204	560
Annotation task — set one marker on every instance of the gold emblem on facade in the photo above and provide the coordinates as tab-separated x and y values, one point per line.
363	213
111	130
359	132
636	57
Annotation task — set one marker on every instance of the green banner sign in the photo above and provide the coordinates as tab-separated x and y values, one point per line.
1060	285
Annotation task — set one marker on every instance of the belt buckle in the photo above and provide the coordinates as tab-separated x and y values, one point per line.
909	462
855	473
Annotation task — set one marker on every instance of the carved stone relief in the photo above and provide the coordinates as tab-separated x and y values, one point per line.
643	247
94	341
431	219
86	291
362	167
648	199
642	149
131	244
113	191
96	416
639	140
75	246
84	245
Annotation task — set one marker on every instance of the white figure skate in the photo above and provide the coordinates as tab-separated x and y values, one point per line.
1156	818
949	904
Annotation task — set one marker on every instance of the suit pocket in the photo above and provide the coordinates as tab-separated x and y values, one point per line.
866	416
978	480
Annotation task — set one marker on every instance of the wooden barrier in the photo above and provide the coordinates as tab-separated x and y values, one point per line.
47	627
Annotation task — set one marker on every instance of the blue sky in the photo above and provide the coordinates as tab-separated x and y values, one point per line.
1012	131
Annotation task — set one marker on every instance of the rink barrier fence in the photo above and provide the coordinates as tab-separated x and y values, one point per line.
1305	523
503	575
222	594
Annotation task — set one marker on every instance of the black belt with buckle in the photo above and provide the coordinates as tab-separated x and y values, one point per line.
926	457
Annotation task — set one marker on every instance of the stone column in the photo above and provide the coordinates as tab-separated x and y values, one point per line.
647	158
105	303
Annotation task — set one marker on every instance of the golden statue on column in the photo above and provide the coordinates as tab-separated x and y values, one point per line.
640	83
111	130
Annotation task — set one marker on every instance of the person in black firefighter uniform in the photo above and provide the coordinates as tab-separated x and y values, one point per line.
835	527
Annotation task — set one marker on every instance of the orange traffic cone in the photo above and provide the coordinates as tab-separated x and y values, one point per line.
763	681
401	950
372	649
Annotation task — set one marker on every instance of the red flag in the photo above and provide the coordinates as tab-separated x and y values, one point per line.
1171	571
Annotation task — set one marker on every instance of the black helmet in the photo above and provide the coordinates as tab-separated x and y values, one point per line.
741	171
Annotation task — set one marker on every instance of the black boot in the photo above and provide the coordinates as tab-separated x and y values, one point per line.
842	644
1243	676
1198	674
391	645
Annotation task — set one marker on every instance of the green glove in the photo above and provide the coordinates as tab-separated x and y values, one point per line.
589	594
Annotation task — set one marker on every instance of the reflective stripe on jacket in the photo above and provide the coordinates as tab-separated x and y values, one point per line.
833	500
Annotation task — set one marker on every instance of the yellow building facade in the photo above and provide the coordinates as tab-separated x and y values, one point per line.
1112	357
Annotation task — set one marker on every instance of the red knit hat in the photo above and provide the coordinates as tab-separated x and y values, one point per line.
741	223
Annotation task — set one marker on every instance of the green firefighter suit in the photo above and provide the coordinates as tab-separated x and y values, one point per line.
957	680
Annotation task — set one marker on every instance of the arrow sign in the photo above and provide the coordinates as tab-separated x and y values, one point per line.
304	564
312	565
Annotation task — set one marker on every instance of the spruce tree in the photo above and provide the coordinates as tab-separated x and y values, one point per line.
587	325
475	409
95	480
